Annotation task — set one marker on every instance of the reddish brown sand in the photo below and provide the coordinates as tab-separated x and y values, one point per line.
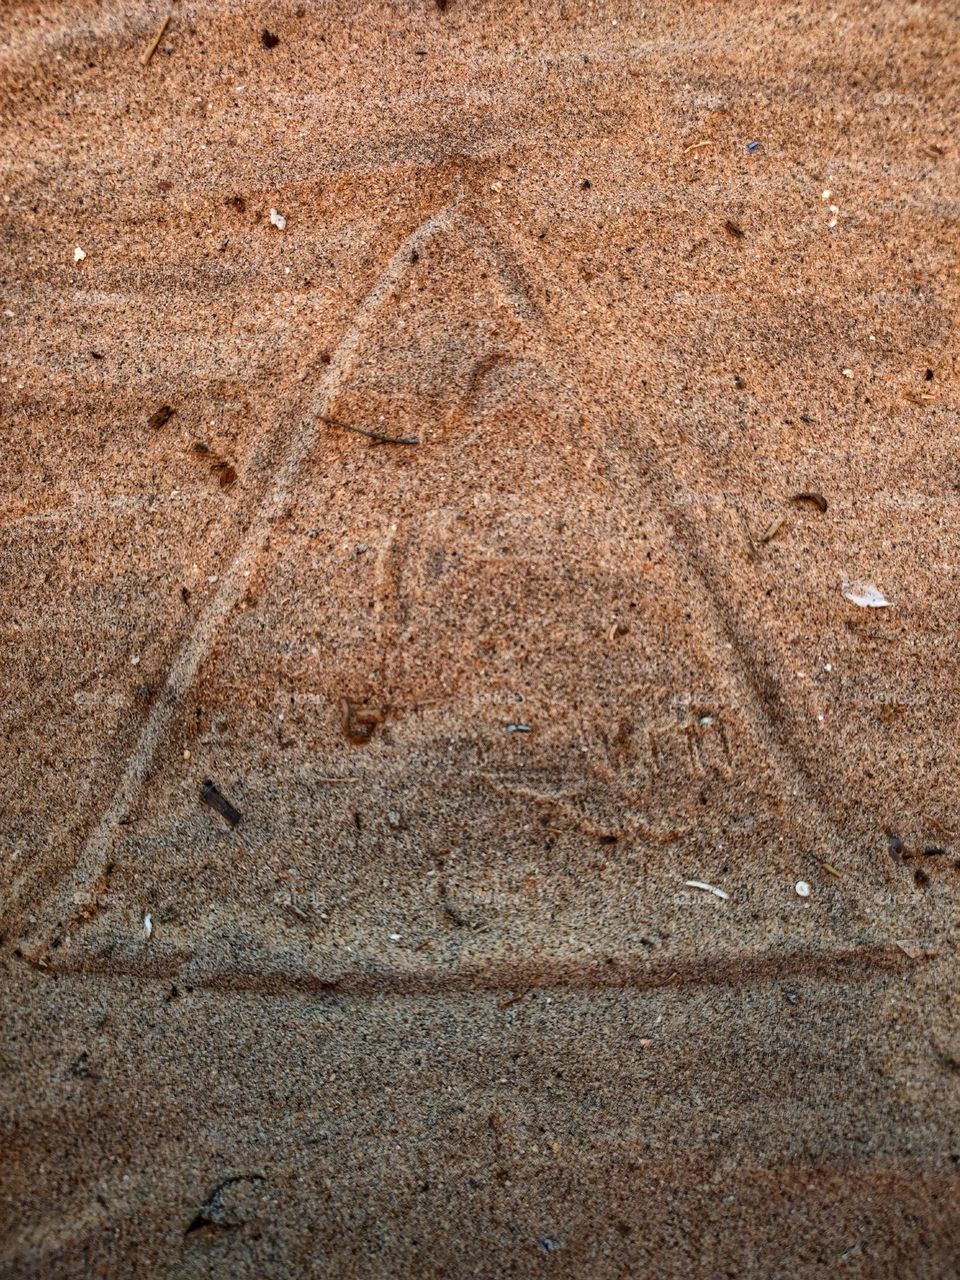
443	1004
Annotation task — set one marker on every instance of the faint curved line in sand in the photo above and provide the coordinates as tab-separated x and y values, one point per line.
187	662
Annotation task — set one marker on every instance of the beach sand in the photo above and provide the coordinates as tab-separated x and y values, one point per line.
479	767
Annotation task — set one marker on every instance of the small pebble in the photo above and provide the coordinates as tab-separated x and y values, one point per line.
78	254
278	220
802	888
147	925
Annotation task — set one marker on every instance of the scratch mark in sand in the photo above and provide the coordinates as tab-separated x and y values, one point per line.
233	583
795	776
843	965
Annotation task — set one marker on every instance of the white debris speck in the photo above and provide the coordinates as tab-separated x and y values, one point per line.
802	888
826	195
707	888
278	220
865	594
135	659
147	925
847	373
395	937
78	254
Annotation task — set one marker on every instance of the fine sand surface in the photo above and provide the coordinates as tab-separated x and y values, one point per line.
451	535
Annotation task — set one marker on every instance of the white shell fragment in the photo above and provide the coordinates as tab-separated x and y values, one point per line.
707	888
865	594
802	889
147	925
278	220
78	254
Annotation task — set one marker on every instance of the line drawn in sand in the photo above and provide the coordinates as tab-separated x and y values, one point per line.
233	582
277	491
762	696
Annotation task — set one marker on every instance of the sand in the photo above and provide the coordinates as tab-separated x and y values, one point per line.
455	439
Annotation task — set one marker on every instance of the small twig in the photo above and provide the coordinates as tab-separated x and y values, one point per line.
696	147
505	1004
340	780
773	528
151	48
376	436
212	796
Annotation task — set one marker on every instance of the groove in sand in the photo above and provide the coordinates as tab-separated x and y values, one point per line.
839	964
195	648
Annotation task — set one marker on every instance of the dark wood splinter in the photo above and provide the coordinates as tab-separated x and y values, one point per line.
211	796
376	436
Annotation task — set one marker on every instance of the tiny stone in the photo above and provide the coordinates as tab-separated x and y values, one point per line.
802	888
